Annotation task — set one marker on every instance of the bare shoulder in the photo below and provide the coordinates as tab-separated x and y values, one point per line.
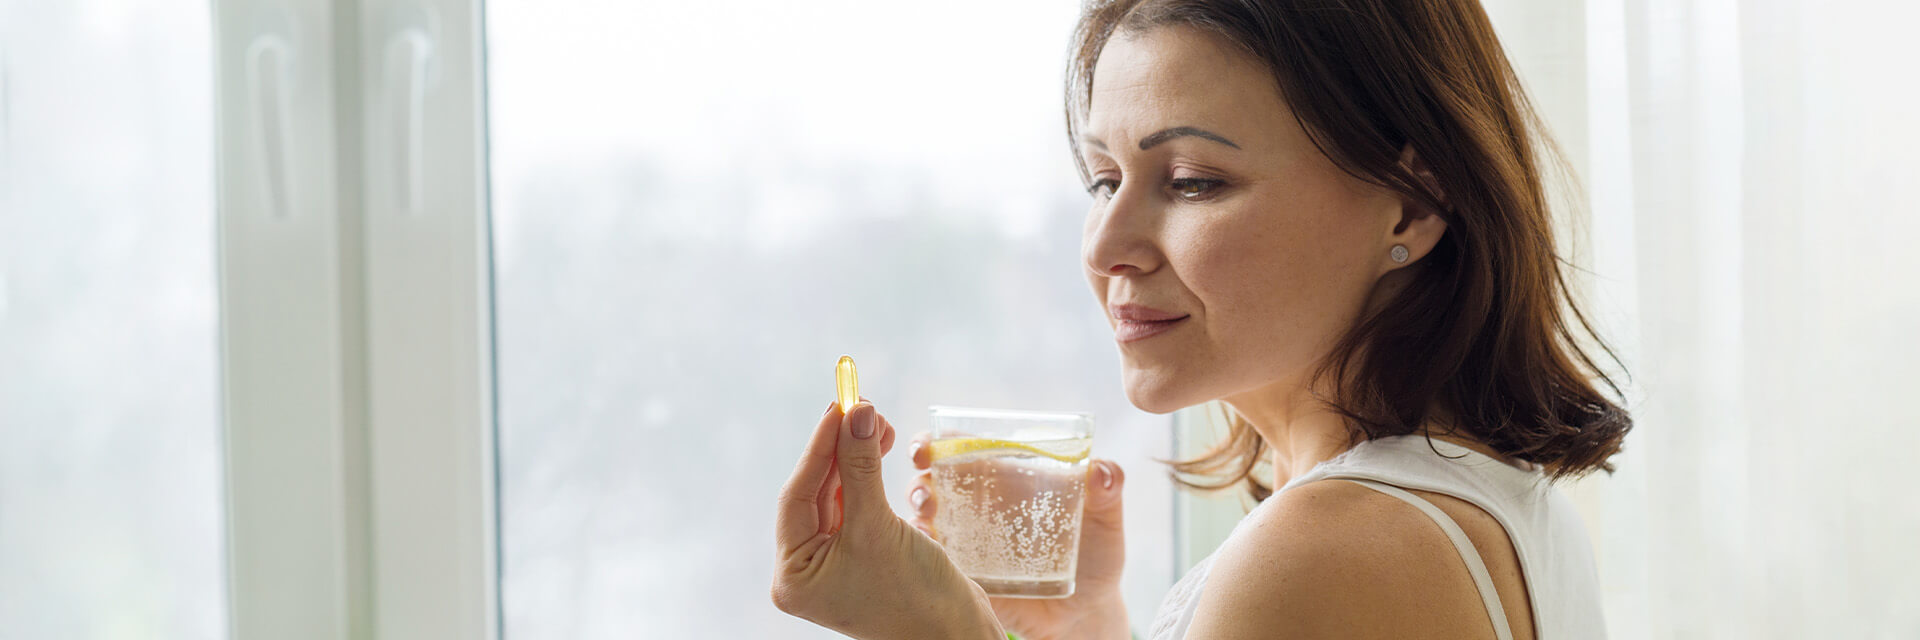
1337	559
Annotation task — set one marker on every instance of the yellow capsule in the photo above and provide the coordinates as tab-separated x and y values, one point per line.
849	380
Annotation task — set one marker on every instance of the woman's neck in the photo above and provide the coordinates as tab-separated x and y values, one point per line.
1302	433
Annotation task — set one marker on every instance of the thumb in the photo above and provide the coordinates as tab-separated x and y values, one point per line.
859	460
1104	484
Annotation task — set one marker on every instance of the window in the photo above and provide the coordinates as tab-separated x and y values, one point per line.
697	209
110	494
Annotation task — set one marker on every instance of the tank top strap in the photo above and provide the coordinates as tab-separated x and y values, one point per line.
1475	566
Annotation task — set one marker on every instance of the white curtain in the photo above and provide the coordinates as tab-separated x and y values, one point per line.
1751	172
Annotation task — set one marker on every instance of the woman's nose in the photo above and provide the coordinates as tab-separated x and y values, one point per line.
1122	236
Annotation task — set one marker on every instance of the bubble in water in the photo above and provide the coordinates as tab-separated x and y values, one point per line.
1010	517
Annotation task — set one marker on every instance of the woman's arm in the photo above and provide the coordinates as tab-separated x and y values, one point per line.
1108	619
973	621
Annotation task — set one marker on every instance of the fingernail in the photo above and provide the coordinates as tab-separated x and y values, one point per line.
863	423
1104	476
917	497
830	407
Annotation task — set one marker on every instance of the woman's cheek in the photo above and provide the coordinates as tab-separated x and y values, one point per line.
1232	259
1262	282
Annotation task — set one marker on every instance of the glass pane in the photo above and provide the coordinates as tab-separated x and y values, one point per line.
110	485
698	208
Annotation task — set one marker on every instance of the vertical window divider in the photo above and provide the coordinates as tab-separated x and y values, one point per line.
356	319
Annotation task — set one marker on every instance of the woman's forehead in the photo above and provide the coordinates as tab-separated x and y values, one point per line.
1165	77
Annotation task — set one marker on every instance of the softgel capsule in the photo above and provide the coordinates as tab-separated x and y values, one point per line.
848	380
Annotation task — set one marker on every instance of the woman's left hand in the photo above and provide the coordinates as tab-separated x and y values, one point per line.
848	563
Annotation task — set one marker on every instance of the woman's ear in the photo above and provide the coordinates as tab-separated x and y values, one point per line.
1419	227
1413	163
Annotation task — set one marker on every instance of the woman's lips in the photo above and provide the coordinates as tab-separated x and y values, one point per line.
1126	331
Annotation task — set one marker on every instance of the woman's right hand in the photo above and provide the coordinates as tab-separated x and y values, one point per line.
1095	610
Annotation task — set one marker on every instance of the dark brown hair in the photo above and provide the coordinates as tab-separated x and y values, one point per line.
1482	331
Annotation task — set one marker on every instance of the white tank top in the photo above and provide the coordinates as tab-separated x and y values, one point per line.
1556	557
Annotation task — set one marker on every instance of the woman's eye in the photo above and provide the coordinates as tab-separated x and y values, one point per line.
1195	189
1103	188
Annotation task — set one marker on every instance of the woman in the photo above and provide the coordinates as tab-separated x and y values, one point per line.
1327	216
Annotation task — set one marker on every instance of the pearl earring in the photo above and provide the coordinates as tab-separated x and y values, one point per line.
1399	253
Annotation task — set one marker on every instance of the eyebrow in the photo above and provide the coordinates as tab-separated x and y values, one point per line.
1178	132
1164	135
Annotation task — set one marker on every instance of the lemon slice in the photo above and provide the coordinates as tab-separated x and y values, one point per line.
1071	450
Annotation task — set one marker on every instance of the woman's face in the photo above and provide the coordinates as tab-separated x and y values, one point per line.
1212	206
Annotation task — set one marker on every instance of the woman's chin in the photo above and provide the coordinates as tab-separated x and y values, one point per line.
1151	397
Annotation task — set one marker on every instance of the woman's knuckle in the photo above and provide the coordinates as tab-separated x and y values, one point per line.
787	598
861	464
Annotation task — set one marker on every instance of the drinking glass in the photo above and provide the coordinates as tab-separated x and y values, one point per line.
1009	486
